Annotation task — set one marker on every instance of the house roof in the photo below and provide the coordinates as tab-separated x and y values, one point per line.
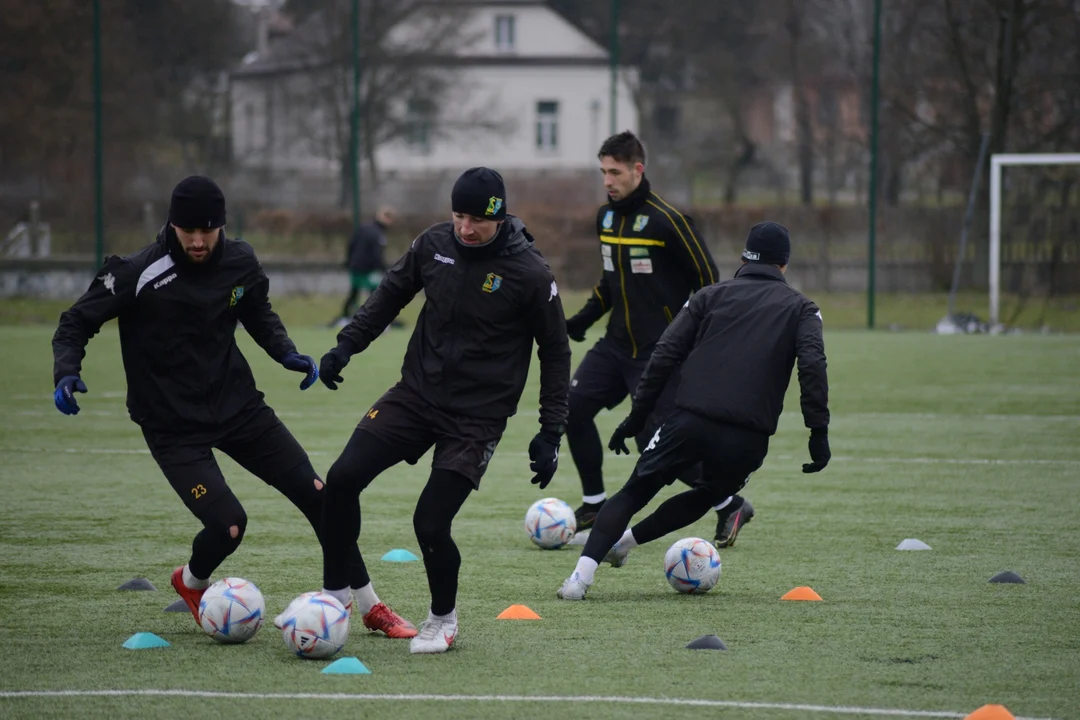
299	48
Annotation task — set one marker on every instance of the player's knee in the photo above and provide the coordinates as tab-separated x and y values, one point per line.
430	527
318	484
344	480
582	411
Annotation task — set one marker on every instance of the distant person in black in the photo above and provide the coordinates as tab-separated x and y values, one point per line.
734	345
365	261
488	296
653	259
190	389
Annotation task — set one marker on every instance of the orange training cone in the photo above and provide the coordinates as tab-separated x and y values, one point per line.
991	712
801	593
518	612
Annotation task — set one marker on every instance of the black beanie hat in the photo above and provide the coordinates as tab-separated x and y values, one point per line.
479	192
768	243
197	202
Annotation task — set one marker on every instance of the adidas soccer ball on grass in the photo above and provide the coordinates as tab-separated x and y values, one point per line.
550	523
692	565
232	610
318	626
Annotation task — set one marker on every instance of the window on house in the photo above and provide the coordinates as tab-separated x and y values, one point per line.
419	116
547	125
249	129
504	33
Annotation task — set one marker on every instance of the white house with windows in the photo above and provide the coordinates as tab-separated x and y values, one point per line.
539	78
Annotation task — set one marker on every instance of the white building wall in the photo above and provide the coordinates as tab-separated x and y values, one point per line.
511	93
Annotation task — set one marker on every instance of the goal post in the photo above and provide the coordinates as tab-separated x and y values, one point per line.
997	164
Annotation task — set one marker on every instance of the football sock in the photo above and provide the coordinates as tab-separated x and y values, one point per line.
343	596
627	541
676	512
194	583
586	569
450	617
584	441
724	504
594	499
365	599
439	502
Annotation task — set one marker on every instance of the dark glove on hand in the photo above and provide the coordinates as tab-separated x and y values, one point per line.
544	457
302	363
576	327
64	396
332	364
819	450
630	427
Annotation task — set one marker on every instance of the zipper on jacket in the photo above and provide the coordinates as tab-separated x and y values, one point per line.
622	285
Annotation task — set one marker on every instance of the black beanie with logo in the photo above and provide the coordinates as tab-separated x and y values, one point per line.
480	192
768	243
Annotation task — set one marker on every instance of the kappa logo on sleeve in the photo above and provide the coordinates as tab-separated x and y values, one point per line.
554	291
109	281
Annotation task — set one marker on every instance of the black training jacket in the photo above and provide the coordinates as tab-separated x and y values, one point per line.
483	307
653	260
177	325
736	343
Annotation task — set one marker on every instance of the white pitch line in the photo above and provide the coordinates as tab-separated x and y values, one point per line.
793	707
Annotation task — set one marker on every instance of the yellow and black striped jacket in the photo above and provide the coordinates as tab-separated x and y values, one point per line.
653	259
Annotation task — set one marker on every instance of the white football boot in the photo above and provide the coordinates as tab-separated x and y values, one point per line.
573	588
435	636
617	555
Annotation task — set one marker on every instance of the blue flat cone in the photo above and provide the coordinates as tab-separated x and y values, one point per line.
177	607
137	584
346	666
399	555
145	640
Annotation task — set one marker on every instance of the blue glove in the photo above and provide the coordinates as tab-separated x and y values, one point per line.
64	396
304	364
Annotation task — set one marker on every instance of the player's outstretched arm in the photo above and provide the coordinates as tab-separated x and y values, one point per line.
112	289
553	350
261	322
814	385
397	289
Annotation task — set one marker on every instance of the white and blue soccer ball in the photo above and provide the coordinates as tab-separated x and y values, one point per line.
692	565
550	523
232	610
317	626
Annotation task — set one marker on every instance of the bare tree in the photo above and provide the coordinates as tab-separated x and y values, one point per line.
411	84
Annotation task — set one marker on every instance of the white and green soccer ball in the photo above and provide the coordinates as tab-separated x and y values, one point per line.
692	565
550	523
316	626
232	610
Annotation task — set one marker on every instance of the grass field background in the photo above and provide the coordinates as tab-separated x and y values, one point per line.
967	443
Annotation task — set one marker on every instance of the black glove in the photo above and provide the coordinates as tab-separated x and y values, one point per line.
544	456
331	365
64	396
819	450
576	327
630	427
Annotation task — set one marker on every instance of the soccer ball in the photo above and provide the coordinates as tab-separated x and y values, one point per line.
692	565
318	626
231	610
550	523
